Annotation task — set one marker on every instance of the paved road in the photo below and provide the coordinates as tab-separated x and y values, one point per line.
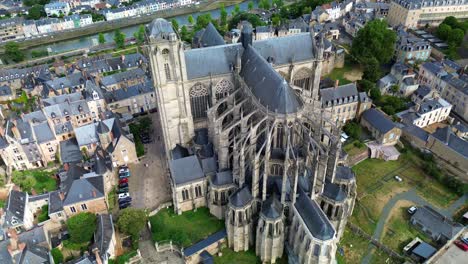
149	186
412	196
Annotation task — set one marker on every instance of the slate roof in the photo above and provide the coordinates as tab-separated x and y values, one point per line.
314	218
33	254
218	59
102	162
334	191
201	136
67	178
5	90
435	222
424	250
209	165
102	128
272	208
179	152
378	120
241	197
186	170
121	76
129	92
222	178
55	203
208	37
160	29
104	233
70	151
416	132
33	236
344	173
85	189
14	208
43	133
429	105
87	134
337	96
447	136
35	117
211	239
422	91
386	81
267	85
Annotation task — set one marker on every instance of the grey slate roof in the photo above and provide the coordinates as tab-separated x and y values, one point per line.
314	218
344	172
179	152
208	37
267	85
160	28
104	233
209	165
43	133
334	191
337	96
378	120
35	117
218	59
222	178
213	238
102	128
55	203
447	136
241	197
70	151
121	76
5	90
416	132
424	250
422	91
129	92
186	170
87	134
33	254
14	208
33	236
85	189
435	222
67	178
272	208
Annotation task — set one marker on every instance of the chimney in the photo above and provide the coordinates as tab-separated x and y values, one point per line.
2	131
15	131
98	257
417	106
337	83
94	193
66	166
62	196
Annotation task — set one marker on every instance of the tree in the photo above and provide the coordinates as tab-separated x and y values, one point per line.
275	21
119	39
139	35
250	5
13	52
81	227
101	38
395	89
184	34
307	10
353	130
365	85
237	8
443	31
202	21
375	94
278	3
175	24
190	19
374	40
456	37
264	4
131	221
371	69
451	21
223	16
57	255
36	12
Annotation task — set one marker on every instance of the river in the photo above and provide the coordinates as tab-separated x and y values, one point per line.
92	40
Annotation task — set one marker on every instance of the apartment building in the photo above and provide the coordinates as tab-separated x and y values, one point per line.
57	9
418	13
11	29
456	93
428	112
402	76
411	48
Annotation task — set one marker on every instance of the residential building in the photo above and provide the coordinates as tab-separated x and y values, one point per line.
105	243
432	74
57	9
344	103
423	93
428	112
333	9
123	79
5	93
378	9
18	215
402	76
30	28
456	93
435	225
418	13
320	15
354	21
411	48
11	29
134	99
381	127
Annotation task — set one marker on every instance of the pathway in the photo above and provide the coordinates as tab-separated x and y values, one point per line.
412	196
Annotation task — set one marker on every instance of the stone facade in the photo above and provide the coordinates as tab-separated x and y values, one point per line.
94	206
259	104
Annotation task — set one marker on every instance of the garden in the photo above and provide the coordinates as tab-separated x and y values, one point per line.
185	229
39	181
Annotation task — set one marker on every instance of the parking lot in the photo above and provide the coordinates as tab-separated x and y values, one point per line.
149	186
453	255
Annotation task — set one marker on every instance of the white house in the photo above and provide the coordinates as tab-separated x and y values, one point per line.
57	8
428	112
333	9
29	28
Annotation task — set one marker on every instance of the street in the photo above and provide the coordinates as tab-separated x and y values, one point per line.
149	186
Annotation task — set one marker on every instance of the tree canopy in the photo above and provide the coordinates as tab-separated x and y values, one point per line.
101	38
175	24
81	227
375	40
253	19
36	12
13	52
131	221
139	35
119	38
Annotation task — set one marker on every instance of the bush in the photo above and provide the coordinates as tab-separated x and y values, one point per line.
44	214
81	227
57	255
353	129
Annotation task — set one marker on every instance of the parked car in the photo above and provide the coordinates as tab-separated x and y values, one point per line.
461	245
464	240
412	210
123	167
125	200
124	175
123	170
124	195
122	190
398	179
123	180
125	205
123	185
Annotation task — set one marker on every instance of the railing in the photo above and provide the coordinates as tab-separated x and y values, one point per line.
168	245
160	207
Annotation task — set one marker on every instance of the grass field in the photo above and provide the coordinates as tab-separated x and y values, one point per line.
231	257
352	150
348	74
184	229
39	180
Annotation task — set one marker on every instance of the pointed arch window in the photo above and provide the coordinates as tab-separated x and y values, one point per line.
199	100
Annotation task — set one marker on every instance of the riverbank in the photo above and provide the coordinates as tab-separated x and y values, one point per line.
105	26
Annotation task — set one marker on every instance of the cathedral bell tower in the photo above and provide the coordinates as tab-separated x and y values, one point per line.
167	61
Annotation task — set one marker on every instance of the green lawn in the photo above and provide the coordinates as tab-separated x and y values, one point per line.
44	215
339	73
352	150
184	229
111	197
122	259
231	257
39	180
